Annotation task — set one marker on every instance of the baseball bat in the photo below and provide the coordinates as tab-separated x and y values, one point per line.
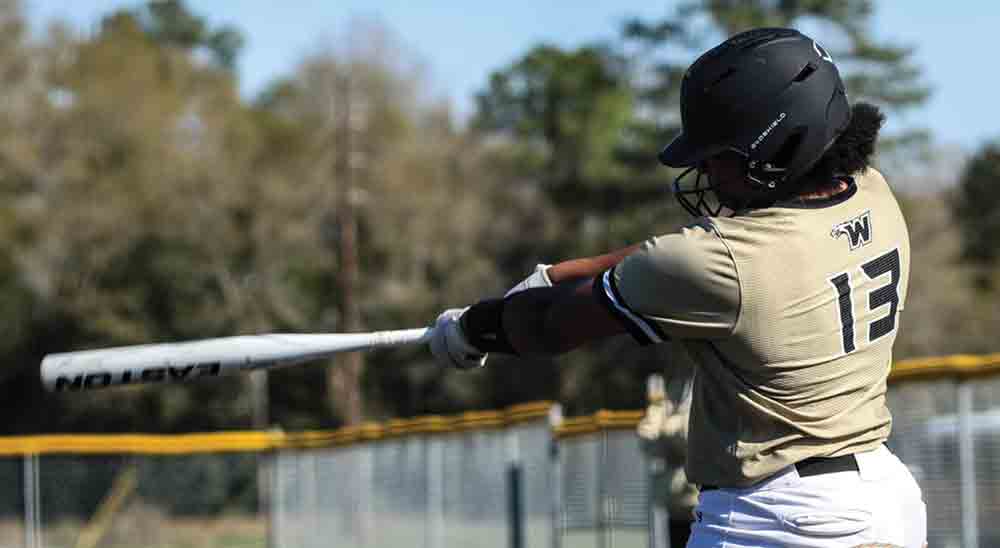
187	361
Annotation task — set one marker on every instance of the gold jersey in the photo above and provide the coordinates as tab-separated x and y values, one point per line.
790	313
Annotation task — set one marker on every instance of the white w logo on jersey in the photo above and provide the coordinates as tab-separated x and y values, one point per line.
858	230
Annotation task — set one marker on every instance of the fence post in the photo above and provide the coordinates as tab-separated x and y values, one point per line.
515	504
434	526
367	532
308	464
515	514
555	420
32	502
276	499
603	509
967	466
260	420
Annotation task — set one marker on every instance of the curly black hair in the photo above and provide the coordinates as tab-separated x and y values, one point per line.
851	153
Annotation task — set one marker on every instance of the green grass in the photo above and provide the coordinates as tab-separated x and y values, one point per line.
145	529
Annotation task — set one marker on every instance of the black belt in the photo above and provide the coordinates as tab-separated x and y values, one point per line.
814	466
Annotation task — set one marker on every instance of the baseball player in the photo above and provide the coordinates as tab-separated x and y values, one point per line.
663	439
785	290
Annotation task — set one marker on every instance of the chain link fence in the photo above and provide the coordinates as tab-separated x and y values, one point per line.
518	478
433	482
87	501
605	500
946	419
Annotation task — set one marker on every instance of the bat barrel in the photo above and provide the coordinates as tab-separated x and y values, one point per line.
189	361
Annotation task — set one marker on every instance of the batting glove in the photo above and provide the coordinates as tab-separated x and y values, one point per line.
538	278
449	344
652	422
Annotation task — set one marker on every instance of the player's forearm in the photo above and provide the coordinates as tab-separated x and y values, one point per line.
547	320
588	267
531	325
555	320
532	322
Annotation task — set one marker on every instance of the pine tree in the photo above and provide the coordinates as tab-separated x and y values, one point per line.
976	207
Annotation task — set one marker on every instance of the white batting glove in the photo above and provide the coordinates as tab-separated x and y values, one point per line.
652	422
538	278
449	345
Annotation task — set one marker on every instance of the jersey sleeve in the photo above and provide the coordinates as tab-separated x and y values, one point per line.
682	285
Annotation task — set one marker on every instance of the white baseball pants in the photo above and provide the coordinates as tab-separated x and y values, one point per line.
879	503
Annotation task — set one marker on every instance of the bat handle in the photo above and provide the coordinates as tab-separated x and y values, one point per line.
400	337
427	335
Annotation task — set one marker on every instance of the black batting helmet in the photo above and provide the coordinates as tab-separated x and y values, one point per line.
771	95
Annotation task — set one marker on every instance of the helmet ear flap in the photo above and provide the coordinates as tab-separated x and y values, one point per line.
770	177
789	148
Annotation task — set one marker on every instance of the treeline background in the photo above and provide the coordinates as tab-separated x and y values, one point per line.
145	200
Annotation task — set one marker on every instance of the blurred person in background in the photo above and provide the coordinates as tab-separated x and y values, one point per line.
663	440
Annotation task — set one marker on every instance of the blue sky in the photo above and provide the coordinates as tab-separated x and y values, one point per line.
461	42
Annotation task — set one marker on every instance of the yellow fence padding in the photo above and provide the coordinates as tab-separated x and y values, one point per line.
600	421
958	365
147	444
256	441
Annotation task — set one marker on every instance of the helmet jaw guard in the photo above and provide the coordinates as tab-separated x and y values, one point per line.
774	97
698	199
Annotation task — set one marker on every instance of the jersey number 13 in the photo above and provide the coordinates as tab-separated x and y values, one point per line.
887	294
